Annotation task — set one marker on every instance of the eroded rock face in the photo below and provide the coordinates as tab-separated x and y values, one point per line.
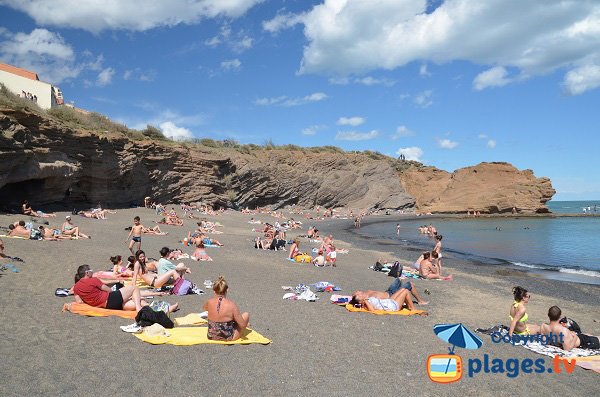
486	187
48	163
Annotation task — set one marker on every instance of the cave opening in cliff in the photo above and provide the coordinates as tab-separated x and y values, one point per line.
13	194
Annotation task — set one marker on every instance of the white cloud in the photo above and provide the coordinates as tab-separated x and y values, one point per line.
338	80
242	44
353	121
313	129
40	51
582	79
423	99
491	144
136	15
282	21
401	132
423	72
170	130
447	144
139	74
368	80
287	101
238	42
494	77
356	136
105	77
232	64
482	136
413	153
354	37
162	115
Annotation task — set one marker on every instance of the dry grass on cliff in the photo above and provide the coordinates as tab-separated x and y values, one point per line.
80	119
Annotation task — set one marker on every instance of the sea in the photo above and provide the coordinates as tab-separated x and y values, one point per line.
560	247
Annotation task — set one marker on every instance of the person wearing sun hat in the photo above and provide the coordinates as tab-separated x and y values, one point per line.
68	229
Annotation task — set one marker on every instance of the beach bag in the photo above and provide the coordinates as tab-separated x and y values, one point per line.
303	258
182	287
146	317
570	324
378	267
395	270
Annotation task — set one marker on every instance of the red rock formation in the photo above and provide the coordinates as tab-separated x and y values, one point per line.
486	187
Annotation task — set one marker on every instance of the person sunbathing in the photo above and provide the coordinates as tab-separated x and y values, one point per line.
518	314
225	322
570	339
208	241
164	265
118	268
68	229
429	271
319	260
154	231
394	287
19	230
172	220
200	253
155	280
394	303
48	234
294	249
27	210
92	291
177	254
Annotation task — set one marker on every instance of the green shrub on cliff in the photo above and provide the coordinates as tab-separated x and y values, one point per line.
153	132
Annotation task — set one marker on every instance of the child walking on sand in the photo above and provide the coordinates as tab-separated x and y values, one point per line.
136	235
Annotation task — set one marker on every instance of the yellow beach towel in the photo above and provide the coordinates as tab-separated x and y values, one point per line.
87	310
190	319
187	336
6	236
403	312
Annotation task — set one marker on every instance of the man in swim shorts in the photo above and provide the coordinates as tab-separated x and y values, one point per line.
570	339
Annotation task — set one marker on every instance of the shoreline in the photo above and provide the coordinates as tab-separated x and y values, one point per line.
408	247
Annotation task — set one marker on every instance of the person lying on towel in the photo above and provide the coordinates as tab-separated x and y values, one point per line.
394	303
92	291
396	286
225	322
570	339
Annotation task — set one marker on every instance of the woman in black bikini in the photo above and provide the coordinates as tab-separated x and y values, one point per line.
225	322
152	279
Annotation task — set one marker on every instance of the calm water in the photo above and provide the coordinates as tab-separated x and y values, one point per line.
568	244
574	207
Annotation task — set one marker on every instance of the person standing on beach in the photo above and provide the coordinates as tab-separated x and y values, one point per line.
136	235
397	229
438	245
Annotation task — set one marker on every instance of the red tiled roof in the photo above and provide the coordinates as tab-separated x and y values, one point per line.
18	71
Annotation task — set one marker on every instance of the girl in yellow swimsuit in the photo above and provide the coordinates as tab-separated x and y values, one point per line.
518	314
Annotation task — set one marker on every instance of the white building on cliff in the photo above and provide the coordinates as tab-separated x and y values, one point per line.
27	85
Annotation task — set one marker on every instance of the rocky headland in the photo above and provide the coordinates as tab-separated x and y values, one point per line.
52	163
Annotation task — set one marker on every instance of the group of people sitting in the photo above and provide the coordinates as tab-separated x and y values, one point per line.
42	232
225	321
519	325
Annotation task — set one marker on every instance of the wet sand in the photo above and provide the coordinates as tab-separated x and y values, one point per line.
317	348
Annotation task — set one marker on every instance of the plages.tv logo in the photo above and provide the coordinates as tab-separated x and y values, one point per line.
448	368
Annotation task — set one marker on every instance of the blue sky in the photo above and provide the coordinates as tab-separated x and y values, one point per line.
450	83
